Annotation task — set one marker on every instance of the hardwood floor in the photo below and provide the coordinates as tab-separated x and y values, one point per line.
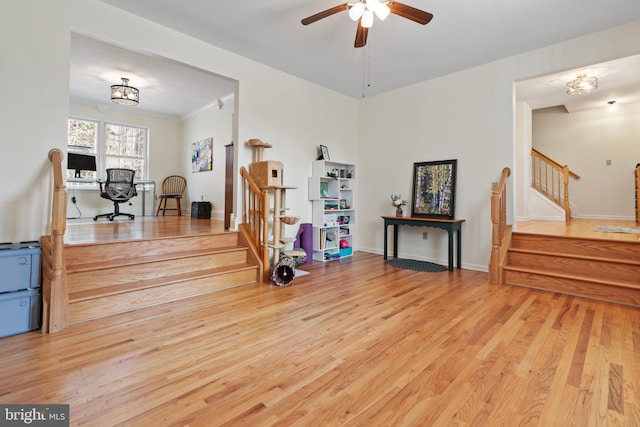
355	342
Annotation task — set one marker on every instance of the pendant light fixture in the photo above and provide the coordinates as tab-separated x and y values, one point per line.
124	94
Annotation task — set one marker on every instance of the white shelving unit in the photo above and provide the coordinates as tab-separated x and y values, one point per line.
332	193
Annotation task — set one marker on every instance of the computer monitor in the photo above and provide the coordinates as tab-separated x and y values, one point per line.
81	162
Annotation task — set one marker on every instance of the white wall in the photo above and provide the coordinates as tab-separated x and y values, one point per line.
439	119
522	161
294	115
584	141
208	186
469	116
34	48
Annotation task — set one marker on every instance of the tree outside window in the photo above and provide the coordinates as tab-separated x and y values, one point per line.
114	145
82	139
126	147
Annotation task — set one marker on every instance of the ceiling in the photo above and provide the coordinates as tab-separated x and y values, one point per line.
166	87
399	52
618	81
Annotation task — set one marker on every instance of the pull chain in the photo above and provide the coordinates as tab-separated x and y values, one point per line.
366	70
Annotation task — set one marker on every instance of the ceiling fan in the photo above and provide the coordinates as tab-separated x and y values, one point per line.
363	11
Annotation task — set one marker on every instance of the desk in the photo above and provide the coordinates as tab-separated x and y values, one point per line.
144	183
450	225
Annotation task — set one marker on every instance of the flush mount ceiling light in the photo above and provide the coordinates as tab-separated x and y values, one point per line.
582	84
124	94
612	106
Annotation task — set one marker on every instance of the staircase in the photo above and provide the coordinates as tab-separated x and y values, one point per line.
115	277
606	270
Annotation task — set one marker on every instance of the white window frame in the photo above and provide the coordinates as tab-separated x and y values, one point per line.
100	150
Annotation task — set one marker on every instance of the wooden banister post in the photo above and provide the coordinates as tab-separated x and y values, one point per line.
55	295
266	261
567	206
499	226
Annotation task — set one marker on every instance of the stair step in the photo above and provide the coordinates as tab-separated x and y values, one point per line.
607	270
593	267
598	248
119	252
150	268
573	276
119	288
107	305
573	285
119	276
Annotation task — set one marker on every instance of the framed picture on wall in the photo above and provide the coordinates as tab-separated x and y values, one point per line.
324	153
202	155
434	189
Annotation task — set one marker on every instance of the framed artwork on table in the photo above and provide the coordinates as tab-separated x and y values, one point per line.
434	189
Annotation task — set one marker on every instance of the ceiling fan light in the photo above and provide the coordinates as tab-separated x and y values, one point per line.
367	19
356	11
382	11
372	5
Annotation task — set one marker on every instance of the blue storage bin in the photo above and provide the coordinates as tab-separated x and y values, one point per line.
346	251
20	266
20	312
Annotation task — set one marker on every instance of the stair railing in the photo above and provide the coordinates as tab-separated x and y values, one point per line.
552	179
637	172
255	218
55	295
501	232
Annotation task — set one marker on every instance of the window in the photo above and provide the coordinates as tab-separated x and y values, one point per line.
82	139
115	145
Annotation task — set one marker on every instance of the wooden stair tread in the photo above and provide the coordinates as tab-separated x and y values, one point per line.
576	256
146	284
135	260
572	276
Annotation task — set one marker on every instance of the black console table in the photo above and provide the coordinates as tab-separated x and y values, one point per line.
451	225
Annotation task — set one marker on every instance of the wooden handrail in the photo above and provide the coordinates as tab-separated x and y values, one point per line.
551	179
553	162
500	233
255	218
55	295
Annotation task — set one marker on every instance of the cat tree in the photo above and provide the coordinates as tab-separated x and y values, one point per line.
268	176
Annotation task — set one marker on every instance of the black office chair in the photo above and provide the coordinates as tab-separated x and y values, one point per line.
118	188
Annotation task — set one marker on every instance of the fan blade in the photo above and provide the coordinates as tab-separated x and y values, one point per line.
320	15
361	35
416	15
